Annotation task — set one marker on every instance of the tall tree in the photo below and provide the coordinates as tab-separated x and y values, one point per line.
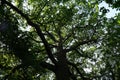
57	39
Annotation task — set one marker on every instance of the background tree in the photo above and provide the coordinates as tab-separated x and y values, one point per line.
62	40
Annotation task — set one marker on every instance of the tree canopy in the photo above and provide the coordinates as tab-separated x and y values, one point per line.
58	40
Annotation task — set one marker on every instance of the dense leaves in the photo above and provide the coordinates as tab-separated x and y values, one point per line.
58	39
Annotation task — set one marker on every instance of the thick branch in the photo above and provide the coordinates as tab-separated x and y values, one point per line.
36	26
47	66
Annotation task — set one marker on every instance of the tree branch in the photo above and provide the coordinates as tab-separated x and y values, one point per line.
36	26
51	36
77	69
47	66
72	64
80	43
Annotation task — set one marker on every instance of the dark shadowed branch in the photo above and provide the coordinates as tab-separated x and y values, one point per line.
47	66
36	26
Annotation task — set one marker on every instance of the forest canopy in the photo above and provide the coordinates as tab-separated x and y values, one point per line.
59	40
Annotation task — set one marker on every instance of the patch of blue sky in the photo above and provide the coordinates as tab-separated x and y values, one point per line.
111	13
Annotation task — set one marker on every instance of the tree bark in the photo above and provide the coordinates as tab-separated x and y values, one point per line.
62	71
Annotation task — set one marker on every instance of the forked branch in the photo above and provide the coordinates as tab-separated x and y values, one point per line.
36	26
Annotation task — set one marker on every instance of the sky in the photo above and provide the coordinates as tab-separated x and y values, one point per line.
112	11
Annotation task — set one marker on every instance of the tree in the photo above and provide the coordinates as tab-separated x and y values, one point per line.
66	39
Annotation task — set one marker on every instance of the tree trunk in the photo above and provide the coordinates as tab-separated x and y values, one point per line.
62	72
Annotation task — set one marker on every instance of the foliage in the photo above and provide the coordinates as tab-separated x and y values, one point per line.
58	39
